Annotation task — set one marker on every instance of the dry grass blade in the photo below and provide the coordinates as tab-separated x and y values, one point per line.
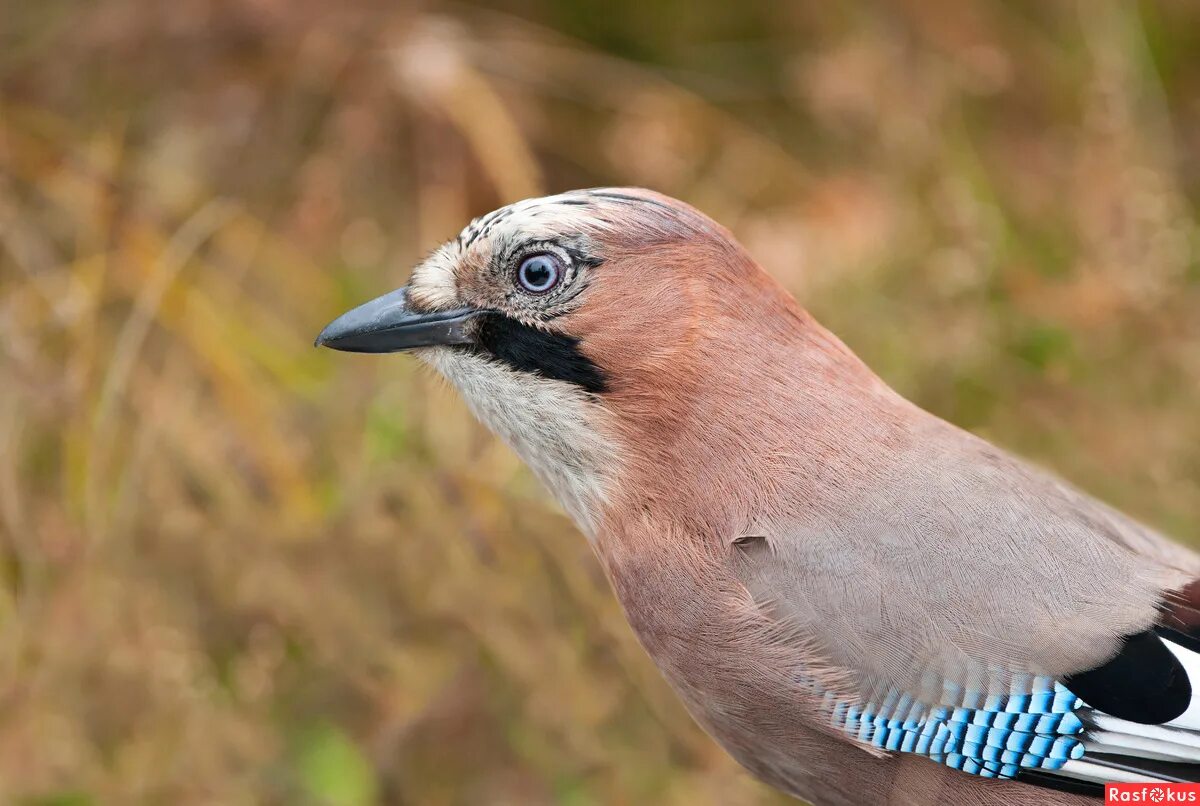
179	250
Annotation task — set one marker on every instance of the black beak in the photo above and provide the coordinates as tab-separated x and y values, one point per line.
387	325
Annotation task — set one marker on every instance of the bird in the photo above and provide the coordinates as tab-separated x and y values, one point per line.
860	601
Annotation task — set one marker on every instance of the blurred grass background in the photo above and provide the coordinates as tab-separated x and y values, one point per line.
239	570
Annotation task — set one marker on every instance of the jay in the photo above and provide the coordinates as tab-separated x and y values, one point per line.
861	602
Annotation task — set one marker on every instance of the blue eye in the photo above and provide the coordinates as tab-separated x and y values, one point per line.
539	273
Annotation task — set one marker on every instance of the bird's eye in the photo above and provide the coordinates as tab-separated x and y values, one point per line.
537	274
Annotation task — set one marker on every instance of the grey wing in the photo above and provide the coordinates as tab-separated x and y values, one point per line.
970	599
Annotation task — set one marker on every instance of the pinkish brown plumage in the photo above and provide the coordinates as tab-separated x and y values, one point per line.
861	602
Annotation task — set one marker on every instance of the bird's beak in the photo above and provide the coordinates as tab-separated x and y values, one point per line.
388	325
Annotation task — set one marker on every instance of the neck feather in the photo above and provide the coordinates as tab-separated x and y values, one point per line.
554	426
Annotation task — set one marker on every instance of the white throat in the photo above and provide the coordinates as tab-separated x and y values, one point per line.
552	425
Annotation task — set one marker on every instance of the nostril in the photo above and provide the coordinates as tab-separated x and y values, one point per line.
751	545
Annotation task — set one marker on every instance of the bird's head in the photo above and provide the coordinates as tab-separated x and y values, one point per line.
587	329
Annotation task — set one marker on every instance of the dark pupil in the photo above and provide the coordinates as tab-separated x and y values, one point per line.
537	274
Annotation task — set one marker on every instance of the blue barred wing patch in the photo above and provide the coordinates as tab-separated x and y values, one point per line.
1001	736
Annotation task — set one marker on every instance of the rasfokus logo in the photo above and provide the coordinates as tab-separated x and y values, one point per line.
1152	793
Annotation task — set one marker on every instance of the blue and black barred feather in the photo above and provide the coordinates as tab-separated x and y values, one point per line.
1004	735
1139	722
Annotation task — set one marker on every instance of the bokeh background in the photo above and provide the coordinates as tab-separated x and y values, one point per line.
237	570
